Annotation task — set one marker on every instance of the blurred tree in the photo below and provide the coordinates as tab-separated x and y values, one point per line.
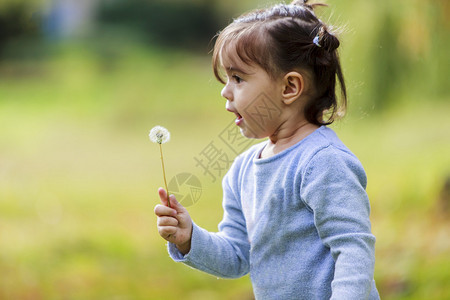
187	24
439	58
410	58
17	24
390	65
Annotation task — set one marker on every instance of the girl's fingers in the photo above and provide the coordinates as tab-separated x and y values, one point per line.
162	210
167	221
174	223
167	231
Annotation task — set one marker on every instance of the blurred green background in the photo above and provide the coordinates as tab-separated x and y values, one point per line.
82	82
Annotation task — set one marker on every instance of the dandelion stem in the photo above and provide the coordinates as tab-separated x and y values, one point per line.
164	175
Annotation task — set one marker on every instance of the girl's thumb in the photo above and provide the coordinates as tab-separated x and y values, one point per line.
174	203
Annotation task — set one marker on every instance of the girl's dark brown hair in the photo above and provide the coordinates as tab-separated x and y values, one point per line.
285	38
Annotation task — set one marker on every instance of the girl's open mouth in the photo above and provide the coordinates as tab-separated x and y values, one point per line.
239	119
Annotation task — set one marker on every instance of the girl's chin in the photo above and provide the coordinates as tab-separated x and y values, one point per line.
250	134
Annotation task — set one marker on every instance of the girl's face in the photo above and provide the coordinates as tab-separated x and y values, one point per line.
253	96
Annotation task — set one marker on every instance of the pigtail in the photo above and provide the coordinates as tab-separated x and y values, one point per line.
325	39
326	108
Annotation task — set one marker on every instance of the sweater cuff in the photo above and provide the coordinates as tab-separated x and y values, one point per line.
197	238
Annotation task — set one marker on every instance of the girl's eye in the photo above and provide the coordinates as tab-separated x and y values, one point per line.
237	79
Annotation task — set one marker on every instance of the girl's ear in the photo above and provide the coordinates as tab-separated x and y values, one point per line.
293	85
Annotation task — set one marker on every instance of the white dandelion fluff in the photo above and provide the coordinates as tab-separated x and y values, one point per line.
159	135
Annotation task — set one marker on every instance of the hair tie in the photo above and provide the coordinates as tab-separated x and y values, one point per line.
316	41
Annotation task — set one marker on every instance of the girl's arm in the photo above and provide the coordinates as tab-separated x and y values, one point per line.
225	253
334	189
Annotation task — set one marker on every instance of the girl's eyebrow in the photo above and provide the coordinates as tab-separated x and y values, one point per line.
234	69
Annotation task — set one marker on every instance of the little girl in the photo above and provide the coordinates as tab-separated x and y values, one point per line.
296	214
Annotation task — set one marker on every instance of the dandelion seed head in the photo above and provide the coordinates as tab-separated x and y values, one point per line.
159	135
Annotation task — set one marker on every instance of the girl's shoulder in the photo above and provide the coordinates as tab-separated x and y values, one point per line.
326	142
330	155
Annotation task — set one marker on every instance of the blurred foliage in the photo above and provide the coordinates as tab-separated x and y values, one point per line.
17	25
411	43
390	48
78	176
187	24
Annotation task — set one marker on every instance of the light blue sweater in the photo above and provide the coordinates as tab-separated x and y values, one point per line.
297	221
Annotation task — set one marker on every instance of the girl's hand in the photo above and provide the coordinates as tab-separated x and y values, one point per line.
174	224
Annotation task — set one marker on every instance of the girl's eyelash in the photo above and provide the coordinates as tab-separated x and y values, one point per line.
237	78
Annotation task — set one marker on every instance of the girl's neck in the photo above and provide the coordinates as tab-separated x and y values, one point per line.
285	138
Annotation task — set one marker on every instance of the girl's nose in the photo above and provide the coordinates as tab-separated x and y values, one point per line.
226	93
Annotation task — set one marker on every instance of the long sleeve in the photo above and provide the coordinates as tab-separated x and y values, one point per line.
334	190
225	253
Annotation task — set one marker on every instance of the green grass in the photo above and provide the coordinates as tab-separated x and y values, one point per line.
78	179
